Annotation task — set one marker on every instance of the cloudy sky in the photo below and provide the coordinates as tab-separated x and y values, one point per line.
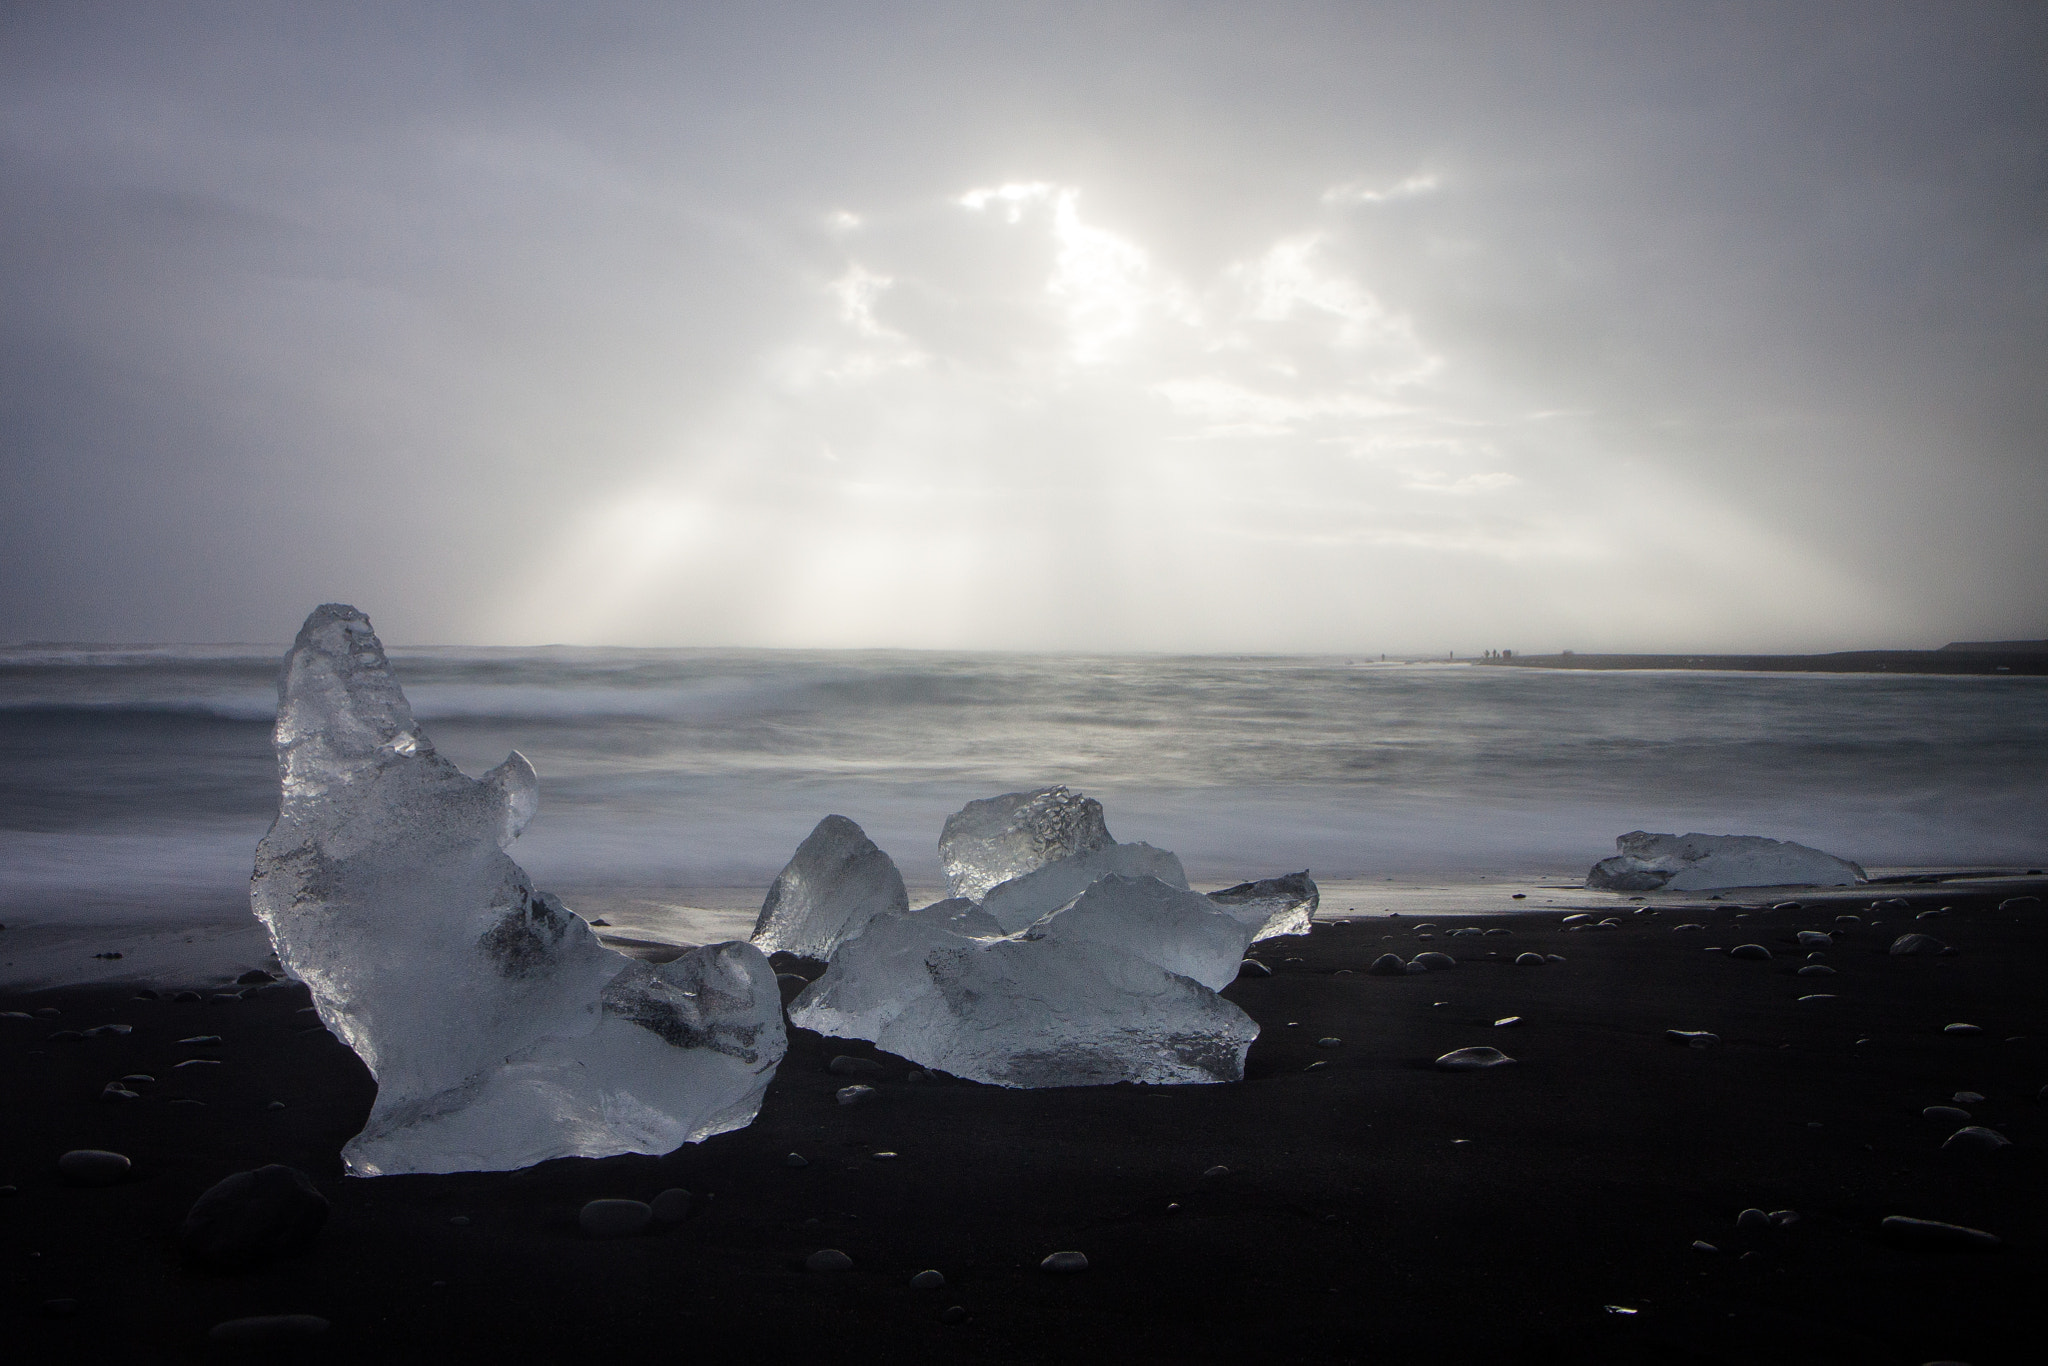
1221	326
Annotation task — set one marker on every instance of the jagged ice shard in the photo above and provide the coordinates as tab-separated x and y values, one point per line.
989	842
500	1031
1273	906
836	882
1118	986
1692	863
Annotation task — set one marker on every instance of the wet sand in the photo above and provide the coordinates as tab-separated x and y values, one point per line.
1375	1208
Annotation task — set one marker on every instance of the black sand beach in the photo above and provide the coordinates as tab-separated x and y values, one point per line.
1375	1208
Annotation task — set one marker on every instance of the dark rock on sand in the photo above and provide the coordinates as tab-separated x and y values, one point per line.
1816	970
846	1066
1752	1220
856	1095
1436	962
614	1218
1065	1263
267	1330
1752	952
1693	1038
672	1206
1388	965
828	1259
1934	1233
255	977
954	1313
1472	1059
252	1216
1959	1027
1913	945
1252	967
796	1160
1945	1114
1529	960
927	1280
1975	1138
93	1167
1815	939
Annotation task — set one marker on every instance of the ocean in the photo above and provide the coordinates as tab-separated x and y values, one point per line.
135	781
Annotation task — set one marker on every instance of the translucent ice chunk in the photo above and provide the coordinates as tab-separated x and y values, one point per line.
1118	986
1021	900
1690	863
1273	906
499	1030
836	882
998	838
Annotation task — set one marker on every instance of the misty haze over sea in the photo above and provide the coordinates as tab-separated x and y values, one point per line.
134	783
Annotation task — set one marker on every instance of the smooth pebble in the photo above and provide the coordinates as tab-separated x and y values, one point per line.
1065	1262
614	1218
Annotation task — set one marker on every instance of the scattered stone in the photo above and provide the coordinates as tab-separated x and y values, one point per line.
196	1062
186	996
1945	1114
1960	1097
1415	968
115	1091
954	1313
1784	1218
796	1160
1934	914
267	1330
1388	965
846	1066
1816	970
1504	1021
927	1280
1934	1233
48	1012
1578	919
1976	1138
200	1040
1750	952
1472	1059
856	1095
1788	906
1692	1038
111	955
1699	1245
1250	967
66	1036
275	1105
143	1077
1912	945
884	1156
614	1218
93	1167
255	977
1436	962
253	1216
1065	1263
1752	1219
2020	903
1553	958
1960	1028
1497	930
1316	1066
1676	928
828	1259
1819	996
1529	960
1815	939
672	1206
1216	1173
1332	1042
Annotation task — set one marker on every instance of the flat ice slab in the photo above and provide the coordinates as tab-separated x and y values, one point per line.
1689	863
500	1031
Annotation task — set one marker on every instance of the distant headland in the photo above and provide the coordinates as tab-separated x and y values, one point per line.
1958	657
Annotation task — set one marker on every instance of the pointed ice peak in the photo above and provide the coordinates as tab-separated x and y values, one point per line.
835	883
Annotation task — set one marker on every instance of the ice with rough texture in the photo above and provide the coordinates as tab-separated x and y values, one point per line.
991	841
500	1031
1692	863
836	882
1273	906
1118	986
1044	889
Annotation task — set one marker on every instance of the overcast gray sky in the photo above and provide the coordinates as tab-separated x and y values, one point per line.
1228	326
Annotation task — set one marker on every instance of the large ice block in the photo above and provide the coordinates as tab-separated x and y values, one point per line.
990	841
500	1031
1273	906
1118	986
836	882
1692	863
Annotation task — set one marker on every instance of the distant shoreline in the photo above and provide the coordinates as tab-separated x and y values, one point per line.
1951	661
